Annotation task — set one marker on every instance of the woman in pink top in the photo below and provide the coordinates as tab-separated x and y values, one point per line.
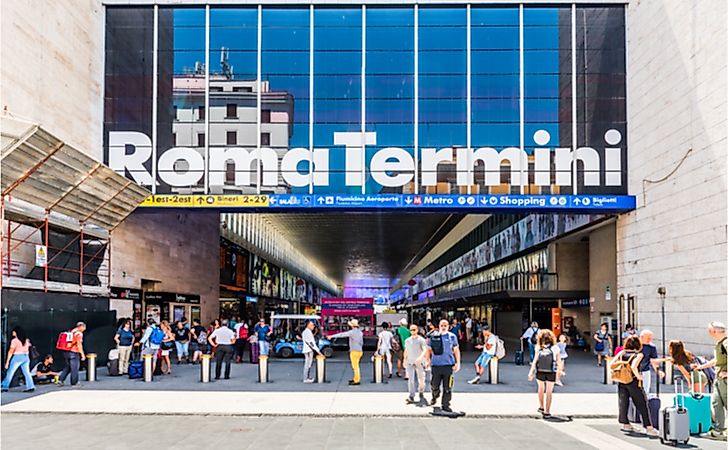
18	357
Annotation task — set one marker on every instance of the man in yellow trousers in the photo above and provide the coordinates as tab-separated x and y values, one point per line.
356	344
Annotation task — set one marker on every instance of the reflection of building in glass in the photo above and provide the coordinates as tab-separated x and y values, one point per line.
233	122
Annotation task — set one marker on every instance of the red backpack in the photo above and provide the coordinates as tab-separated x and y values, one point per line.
243	332
65	341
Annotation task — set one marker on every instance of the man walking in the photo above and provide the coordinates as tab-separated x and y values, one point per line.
309	347
717	330
151	340
648	363
530	336
356	345
264	332
73	355
415	352
403	334
444	355
222	340
490	340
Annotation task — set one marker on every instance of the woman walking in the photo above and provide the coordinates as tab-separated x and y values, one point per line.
124	338
629	384
545	367
18	357
602	343
384	345
563	342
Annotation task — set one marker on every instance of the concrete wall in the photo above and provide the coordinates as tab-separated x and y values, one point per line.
572	264
602	273
677	91
52	66
180	250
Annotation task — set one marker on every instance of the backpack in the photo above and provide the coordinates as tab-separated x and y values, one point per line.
500	348
65	341
157	336
545	360
396	342
202	337
243	332
534	337
622	371
436	344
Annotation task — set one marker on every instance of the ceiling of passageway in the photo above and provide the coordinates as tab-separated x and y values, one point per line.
359	245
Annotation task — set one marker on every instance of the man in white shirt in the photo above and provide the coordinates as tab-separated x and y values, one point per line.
222	339
490	340
530	336
309	347
415	352
468	329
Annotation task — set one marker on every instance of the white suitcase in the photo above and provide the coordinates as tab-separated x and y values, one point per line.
675	421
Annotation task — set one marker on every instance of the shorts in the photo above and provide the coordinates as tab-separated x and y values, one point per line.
165	352
546	376
483	359
400	355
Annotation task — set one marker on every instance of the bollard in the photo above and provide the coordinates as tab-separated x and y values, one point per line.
91	367
262	369
668	372
378	368
320	369
148	370
205	368
493	371
607	372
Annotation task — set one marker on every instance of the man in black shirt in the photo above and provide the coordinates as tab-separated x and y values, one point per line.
649	352
43	371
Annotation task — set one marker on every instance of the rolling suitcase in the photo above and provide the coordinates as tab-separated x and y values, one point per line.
519	355
113	367
674	423
136	367
698	406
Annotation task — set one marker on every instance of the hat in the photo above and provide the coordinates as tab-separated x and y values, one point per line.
354	323
403	322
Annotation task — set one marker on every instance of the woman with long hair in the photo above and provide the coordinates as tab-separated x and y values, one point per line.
545	366
18	358
166	347
682	360
631	356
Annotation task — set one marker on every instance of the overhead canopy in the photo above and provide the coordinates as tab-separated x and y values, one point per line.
41	169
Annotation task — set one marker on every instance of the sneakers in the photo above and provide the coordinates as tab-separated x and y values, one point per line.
559	383
446	409
652	433
715	435
475	380
29	390
354	383
308	380
410	400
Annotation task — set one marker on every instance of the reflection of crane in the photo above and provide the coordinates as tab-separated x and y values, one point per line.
227	69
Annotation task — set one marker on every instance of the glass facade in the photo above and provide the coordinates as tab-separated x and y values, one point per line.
368	99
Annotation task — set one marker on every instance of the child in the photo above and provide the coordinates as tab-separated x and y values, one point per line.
563	341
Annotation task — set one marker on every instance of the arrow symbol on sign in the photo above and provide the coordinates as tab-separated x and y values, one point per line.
320	200
408	200
577	201
200	200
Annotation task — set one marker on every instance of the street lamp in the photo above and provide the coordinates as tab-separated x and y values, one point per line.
662	292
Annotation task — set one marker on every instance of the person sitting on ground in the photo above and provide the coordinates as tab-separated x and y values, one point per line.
43	371
631	355
545	366
490	340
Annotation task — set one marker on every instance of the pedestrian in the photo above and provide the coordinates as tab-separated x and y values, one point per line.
73	354
544	367
43	371
264	332
562	343
242	333
222	339
403	334
384	345
629	330
214	325
182	342
167	345
151	341
198	342
468	329
415	353
356	346
18	358
717	331
490	341
309	348
457	329
630	387
124	339
649	361
602	343
684	361
531	335
444	355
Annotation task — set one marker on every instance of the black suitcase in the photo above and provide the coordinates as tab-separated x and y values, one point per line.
519	355
113	367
